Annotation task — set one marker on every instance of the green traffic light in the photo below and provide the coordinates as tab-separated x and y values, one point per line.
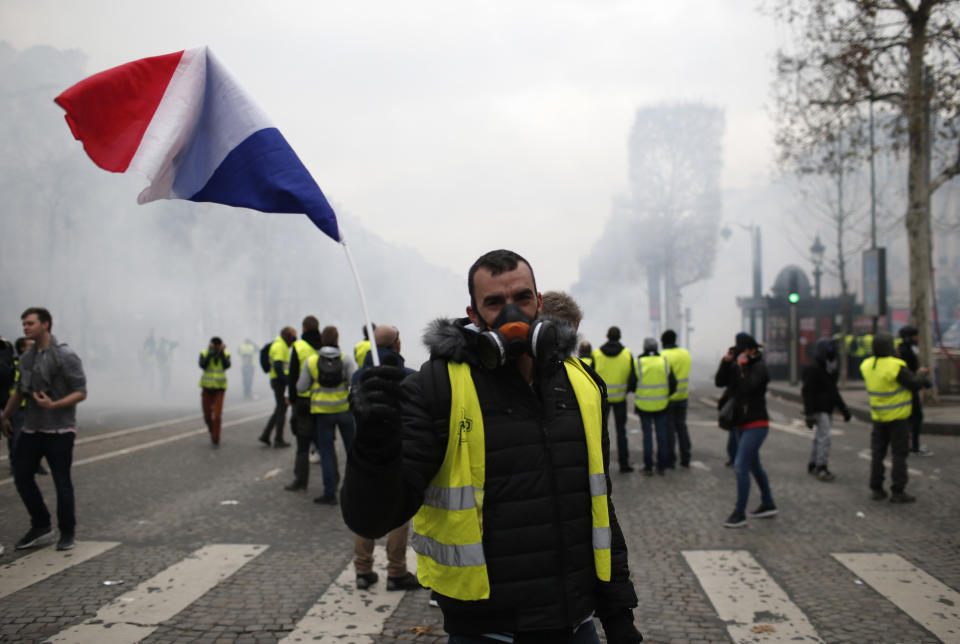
793	298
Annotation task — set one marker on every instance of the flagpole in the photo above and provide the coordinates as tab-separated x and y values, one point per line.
363	303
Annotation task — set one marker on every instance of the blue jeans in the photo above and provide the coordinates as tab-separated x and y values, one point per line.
651	423
326	425
58	448
747	462
586	634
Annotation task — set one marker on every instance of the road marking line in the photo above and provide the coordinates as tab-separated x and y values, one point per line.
136	614
925	599
865	455
751	603
156	443
346	615
39	565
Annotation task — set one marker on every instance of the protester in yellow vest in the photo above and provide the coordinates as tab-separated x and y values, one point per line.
214	360
301	420
497	459
889	385
677	434
362	348
655	384
279	369
615	364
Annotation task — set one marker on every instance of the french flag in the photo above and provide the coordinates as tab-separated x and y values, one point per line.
184	122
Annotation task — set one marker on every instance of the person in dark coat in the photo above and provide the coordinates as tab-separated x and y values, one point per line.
908	353
820	398
744	374
537	574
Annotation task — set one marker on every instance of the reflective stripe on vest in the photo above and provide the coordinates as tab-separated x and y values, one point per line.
615	371
279	352
888	400
653	388
679	360
304	350
326	400
214	376
447	529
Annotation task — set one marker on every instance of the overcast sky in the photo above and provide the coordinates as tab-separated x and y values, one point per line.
457	127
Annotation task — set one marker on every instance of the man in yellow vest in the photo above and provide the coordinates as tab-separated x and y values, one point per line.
615	364
214	361
247	352
889	385
301	420
362	348
497	446
279	370
677	433
655	384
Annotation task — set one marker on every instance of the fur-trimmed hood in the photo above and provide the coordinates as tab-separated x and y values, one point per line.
456	340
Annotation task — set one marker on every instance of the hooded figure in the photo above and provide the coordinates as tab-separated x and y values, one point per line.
820	398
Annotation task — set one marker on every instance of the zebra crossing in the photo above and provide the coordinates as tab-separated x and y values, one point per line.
754	607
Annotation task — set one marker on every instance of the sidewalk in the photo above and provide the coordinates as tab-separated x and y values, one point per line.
943	418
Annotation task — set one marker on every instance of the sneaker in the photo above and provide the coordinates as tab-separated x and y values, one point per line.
824	474
366	580
763	511
879	495
33	537
264	439
921	451
626	468
295	487
281	443
902	497
433	599
735	520
406	582
66	541
326	499
728	464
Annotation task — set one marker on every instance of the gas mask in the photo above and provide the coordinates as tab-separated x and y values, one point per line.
512	335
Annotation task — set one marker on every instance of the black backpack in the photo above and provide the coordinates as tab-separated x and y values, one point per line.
329	370
265	357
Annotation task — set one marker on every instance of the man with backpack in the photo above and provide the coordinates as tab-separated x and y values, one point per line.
326	376
278	359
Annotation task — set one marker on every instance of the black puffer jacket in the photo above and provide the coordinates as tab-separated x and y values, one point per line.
747	383
536	512
819	391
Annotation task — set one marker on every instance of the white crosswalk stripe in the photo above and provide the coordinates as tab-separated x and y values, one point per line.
136	614
754	607
926	600
46	562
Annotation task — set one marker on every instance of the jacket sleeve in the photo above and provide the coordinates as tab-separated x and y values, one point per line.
388	472
204	359
722	378
294	375
911	380
226	360
671	381
632	377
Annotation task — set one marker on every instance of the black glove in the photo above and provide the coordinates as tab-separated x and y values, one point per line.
619	628
810	420
377	397
846	415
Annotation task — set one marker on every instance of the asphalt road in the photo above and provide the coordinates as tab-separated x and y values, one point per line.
210	548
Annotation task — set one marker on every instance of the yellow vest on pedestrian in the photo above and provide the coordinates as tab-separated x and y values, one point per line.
214	376
246	352
304	350
615	371
360	351
279	352
448	527
889	400
679	360
653	387
326	400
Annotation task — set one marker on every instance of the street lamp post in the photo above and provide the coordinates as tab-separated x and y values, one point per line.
816	253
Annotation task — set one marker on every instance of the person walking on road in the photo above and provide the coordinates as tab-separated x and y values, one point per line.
820	397
890	384
744	374
655	384
908	353
247	352
326	376
678	436
301	420
214	360
498	445
387	339
279	371
52	382
614	363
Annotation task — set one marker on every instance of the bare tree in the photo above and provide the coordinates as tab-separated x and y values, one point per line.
903	58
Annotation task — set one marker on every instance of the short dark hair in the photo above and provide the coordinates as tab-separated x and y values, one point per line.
497	261
42	314
310	323
613	334
216	340
20	345
330	337
669	338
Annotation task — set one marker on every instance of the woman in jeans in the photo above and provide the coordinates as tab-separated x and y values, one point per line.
744	373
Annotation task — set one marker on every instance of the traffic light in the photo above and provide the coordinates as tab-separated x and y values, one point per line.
794	295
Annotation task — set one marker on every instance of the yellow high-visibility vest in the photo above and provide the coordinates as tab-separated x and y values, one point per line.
889	401
653	388
279	352
587	360
615	371
214	376
448	528
360	351
679	360
326	400
304	350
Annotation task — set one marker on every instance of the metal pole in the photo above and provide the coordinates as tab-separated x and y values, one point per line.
794	364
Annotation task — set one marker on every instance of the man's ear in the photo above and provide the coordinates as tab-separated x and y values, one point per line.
473	316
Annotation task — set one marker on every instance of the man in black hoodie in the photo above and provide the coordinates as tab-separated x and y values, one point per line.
820	398
301	421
